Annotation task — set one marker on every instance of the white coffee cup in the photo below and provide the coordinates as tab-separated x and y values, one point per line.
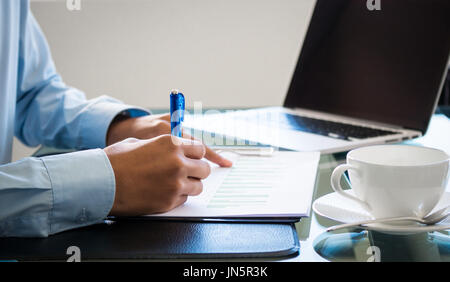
395	180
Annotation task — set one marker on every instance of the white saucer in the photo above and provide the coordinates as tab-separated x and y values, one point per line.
338	208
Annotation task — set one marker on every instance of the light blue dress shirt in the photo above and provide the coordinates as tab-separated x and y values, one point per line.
43	196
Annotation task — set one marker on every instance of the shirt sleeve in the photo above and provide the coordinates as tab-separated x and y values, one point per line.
43	196
51	113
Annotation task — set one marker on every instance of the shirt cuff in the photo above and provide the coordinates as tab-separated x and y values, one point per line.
96	120
83	186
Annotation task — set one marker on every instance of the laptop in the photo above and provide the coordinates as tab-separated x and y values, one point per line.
365	75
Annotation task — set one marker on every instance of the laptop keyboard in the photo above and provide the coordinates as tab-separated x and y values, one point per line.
329	128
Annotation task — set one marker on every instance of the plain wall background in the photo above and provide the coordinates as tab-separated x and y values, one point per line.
224	53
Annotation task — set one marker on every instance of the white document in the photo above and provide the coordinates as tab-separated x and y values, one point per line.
280	185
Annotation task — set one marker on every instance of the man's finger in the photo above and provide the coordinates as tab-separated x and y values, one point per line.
179	201
197	168
216	158
188	136
193	187
193	149
211	155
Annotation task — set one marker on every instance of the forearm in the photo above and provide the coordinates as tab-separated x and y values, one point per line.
43	196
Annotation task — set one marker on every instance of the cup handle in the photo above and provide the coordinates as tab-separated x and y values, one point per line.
336	184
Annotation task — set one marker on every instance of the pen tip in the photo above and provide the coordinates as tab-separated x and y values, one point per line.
174	91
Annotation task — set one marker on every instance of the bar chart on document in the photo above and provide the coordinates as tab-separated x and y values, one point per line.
280	185
243	185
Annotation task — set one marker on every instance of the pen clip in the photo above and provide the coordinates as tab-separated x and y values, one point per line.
182	106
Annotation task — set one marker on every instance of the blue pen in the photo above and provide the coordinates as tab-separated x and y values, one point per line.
176	112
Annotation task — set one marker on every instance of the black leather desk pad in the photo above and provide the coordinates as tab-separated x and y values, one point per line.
157	239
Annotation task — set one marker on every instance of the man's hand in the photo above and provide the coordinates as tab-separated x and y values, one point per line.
156	175
151	126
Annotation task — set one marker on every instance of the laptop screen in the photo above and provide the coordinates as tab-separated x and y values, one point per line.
375	60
